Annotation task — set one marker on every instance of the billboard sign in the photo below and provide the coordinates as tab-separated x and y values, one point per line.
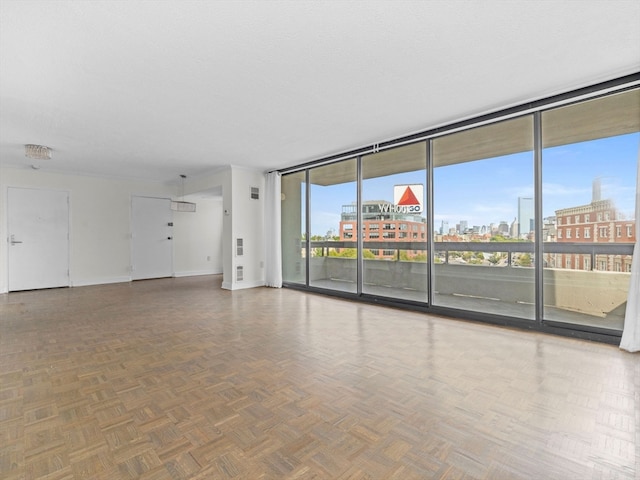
408	198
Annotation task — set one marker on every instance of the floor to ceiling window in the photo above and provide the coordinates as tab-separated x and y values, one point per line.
394	223
484	218
589	166
293	213
529	219
333	253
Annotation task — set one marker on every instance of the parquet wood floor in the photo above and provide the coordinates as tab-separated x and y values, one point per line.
177	379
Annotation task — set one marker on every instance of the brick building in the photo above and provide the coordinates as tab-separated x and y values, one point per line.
597	222
382	221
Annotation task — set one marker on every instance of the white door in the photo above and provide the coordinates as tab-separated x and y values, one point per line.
38	227
151	238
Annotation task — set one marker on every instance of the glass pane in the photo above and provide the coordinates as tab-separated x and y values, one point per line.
483	219
333	258
394	223
589	185
293	228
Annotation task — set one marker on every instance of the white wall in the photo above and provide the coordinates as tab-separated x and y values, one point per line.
220	178
242	218
247	222
197	238
100	224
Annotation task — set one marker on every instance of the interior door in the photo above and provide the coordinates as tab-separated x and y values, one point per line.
151	238
38	227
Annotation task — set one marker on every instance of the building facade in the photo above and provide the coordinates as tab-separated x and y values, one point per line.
598	222
383	222
525	216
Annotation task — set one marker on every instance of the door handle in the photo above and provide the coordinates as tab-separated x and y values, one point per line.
14	241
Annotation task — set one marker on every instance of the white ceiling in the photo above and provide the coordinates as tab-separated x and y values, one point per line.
153	89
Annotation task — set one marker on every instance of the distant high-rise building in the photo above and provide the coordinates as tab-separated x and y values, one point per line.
463	226
444	228
526	215
513	230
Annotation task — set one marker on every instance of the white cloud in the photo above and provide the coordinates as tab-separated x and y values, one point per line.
496	209
563	190
519	191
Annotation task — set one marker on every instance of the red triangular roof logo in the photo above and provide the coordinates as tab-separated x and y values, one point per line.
408	198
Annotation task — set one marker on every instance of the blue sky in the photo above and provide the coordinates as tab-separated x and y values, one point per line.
487	191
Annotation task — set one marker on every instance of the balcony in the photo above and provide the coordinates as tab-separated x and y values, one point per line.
581	297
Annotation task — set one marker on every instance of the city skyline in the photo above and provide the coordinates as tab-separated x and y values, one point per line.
487	191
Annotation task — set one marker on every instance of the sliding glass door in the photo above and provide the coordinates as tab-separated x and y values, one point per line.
530	217
333	249
394	223
484	208
590	159
293	227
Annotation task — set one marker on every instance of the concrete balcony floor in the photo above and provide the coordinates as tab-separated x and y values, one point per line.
613	320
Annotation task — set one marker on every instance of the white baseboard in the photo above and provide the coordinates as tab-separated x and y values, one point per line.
242	285
85	282
195	273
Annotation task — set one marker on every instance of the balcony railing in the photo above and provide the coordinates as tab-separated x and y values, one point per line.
592	297
444	249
